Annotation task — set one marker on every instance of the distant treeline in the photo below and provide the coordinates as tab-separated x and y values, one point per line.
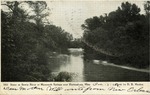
76	43
121	37
27	41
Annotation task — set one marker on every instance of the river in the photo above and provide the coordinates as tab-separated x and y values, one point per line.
94	70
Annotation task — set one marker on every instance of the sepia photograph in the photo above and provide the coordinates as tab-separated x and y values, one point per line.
75	41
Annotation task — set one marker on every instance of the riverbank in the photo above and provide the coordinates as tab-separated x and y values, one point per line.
146	70
134	61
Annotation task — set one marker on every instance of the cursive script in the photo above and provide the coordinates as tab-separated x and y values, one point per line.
82	89
115	89
85	89
141	89
10	88
49	88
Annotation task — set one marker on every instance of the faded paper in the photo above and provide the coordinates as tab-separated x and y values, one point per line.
70	15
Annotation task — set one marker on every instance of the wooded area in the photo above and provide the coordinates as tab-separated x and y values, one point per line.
120	37
27	41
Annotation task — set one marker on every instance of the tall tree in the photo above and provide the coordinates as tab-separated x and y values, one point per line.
120	33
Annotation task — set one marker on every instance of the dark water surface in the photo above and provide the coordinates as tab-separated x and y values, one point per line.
94	70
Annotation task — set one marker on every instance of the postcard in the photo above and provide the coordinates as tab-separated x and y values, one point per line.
75	47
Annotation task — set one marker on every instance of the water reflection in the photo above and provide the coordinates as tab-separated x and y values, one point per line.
72	63
92	70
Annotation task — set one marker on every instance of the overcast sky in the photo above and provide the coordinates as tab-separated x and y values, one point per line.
71	14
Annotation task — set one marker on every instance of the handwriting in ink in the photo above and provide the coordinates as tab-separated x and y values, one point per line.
141	89
49	88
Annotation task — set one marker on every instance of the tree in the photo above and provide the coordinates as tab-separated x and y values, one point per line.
27	41
39	9
119	34
147	7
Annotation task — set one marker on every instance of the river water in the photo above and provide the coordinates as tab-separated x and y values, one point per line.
94	70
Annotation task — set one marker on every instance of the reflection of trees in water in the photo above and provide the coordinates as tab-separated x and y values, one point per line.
71	64
76	51
105	72
57	61
122	33
28	41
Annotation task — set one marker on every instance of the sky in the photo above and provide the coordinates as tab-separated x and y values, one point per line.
70	15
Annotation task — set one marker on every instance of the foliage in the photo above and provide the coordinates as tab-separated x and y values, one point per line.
63	76
76	43
122	33
27	42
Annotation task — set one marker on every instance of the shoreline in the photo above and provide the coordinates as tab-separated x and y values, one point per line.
121	66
